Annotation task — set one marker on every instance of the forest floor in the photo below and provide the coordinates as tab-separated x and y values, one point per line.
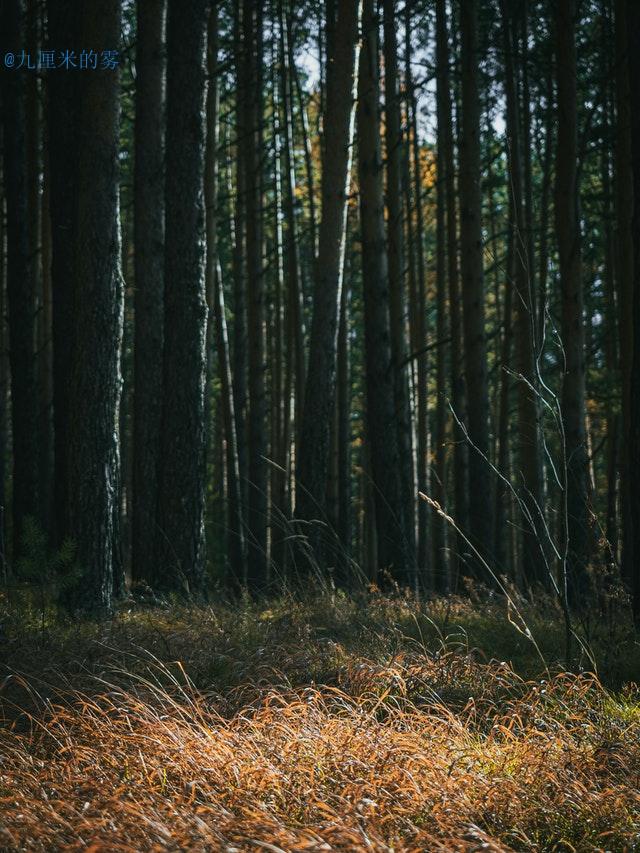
318	723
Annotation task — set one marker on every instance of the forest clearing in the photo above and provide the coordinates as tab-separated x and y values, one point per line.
331	723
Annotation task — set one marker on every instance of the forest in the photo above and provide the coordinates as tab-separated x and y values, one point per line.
318	521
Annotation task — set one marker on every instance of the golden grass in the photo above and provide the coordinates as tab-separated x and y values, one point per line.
401	749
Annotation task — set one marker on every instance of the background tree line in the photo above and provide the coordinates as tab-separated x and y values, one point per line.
295	263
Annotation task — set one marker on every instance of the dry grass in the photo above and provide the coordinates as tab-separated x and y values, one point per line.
318	725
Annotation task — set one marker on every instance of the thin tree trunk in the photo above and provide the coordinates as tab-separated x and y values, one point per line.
294	280
217	316
458	403
568	235
633	29
625	279
239	354
257	422
418	318
4	387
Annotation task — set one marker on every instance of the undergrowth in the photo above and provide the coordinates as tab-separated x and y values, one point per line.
317	723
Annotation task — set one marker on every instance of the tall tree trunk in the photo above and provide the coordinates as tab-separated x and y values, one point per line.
625	278
180	538
280	418
480	504
149	281
4	388
217	314
529	449
418	314
633	29
20	282
239	354
446	173
63	18
568	236
344	440
439	531
391	524
295	325
321	373
503	460
95	380
257	426
396	255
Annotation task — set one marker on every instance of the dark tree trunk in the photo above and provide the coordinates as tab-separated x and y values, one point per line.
149	281
396	255
239	353
63	23
180	535
446	173
391	524
528	431
257	515
217	318
20	282
480	503
633	28
572	328
4	389
94	381
625	279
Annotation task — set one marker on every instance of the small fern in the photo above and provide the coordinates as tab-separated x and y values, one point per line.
52	572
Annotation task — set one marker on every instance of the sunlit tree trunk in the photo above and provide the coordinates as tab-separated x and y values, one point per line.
320	383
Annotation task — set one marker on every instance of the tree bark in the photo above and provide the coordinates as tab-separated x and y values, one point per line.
97	306
480	503
446	173
320	384
217	316
20	282
149	281
567	201
633	29
625	278
394	554
529	480
396	255
180	537
257	514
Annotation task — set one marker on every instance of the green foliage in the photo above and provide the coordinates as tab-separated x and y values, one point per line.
51	572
